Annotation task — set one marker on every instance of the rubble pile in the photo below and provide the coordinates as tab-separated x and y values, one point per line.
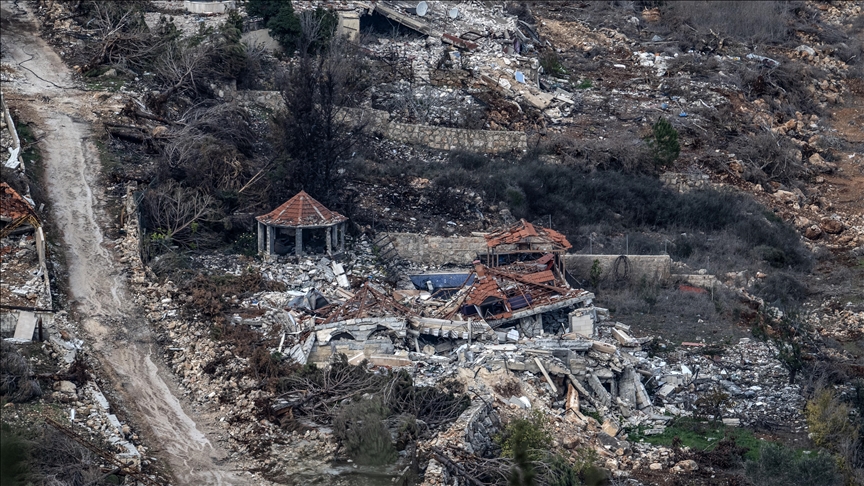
23	281
585	366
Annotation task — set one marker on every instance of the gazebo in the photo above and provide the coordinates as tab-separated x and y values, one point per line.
281	230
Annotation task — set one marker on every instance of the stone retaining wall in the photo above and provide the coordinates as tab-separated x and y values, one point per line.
655	268
441	138
682	182
444	138
438	250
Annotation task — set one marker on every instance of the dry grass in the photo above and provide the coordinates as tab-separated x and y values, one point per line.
16	384
763	21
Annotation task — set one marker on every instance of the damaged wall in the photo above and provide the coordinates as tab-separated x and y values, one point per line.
441	138
655	268
444	138
438	250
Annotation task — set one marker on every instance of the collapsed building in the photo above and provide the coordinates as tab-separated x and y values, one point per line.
518	313
25	293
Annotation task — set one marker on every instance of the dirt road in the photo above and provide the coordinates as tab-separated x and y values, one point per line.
119	335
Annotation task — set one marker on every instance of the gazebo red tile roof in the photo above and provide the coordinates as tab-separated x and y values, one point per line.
301	210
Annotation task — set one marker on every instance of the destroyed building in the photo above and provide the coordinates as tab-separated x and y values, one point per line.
281	231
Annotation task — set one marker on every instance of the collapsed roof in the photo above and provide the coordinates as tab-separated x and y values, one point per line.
501	295
12	205
526	236
15	212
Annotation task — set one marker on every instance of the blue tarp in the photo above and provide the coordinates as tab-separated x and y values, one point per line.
441	280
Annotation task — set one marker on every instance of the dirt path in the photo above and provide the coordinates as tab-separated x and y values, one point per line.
120	337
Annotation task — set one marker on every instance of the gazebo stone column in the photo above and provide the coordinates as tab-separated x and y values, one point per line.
335	231
298	241
342	237
271	240
262	234
328	240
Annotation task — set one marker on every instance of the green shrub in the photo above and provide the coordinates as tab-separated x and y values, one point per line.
664	143
828	419
551	64
594	274
360	428
530	434
246	244
780	466
562	473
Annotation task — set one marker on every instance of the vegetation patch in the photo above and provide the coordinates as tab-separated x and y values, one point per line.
701	436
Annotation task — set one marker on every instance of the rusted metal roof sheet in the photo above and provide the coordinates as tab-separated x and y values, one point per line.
525	232
301	210
12	205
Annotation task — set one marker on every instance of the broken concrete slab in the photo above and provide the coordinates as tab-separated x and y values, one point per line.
602	395
26	325
546	375
603	347
540	100
390	361
610	428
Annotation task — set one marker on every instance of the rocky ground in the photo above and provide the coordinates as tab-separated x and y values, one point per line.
617	81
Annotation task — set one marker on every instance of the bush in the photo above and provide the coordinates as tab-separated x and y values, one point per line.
551	64
828	420
361	429
13	457
780	466
764	21
769	157
16	384
529	434
664	143
782	289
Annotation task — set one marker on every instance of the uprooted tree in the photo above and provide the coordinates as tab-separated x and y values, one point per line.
174	213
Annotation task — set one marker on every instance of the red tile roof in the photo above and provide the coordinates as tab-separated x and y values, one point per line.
301	210
525	232
12	205
544	277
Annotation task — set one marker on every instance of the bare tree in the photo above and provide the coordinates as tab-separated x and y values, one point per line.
212	149
59	460
122	37
175	212
182	67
